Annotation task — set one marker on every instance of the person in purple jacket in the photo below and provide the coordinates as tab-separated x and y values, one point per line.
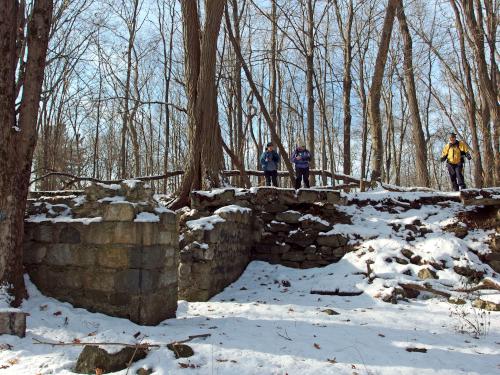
300	158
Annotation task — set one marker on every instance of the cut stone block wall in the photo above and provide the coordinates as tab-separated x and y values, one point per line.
118	264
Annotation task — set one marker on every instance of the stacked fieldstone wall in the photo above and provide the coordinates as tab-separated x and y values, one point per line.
112	250
225	229
215	251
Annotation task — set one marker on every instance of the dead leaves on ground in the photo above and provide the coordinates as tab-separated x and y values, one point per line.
188	365
225	360
10	362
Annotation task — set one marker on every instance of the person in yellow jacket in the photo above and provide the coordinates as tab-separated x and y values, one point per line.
453	153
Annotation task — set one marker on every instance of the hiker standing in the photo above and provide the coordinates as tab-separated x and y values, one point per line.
300	158
453	153
269	161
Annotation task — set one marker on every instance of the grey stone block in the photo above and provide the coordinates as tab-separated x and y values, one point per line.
100	279
33	252
69	234
128	281
152	256
44	233
60	254
114	256
13	323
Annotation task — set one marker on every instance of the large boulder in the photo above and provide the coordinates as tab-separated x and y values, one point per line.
93	357
136	191
95	192
427	273
314	223
119	211
289	217
300	238
331	240
201	200
181	350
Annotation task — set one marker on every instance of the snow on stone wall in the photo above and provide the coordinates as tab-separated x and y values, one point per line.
112	250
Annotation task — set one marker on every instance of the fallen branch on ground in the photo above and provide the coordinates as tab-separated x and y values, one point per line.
138	345
485	285
336	292
425	288
285	337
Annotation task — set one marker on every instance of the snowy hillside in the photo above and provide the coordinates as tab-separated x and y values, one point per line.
269	322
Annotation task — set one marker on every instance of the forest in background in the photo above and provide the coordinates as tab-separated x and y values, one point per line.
120	89
115	95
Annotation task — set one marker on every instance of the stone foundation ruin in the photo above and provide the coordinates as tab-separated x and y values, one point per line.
226	229
116	249
112	250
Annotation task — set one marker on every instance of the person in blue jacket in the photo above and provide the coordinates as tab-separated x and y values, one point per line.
300	158
269	161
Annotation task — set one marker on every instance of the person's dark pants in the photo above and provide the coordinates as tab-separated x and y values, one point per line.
271	177
456	172
301	174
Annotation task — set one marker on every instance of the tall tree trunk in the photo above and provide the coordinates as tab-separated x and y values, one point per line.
310	85
418	133
487	86
126	111
492	21
346	31
364	131
272	128
95	161
167	76
374	96
273	67
471	107
205	159
238	98
18	139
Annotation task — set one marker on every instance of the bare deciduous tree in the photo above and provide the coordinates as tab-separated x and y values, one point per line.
18	134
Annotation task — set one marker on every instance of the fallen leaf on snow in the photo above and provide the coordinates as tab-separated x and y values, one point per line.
188	365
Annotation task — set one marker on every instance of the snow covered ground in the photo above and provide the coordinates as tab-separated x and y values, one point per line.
268	322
